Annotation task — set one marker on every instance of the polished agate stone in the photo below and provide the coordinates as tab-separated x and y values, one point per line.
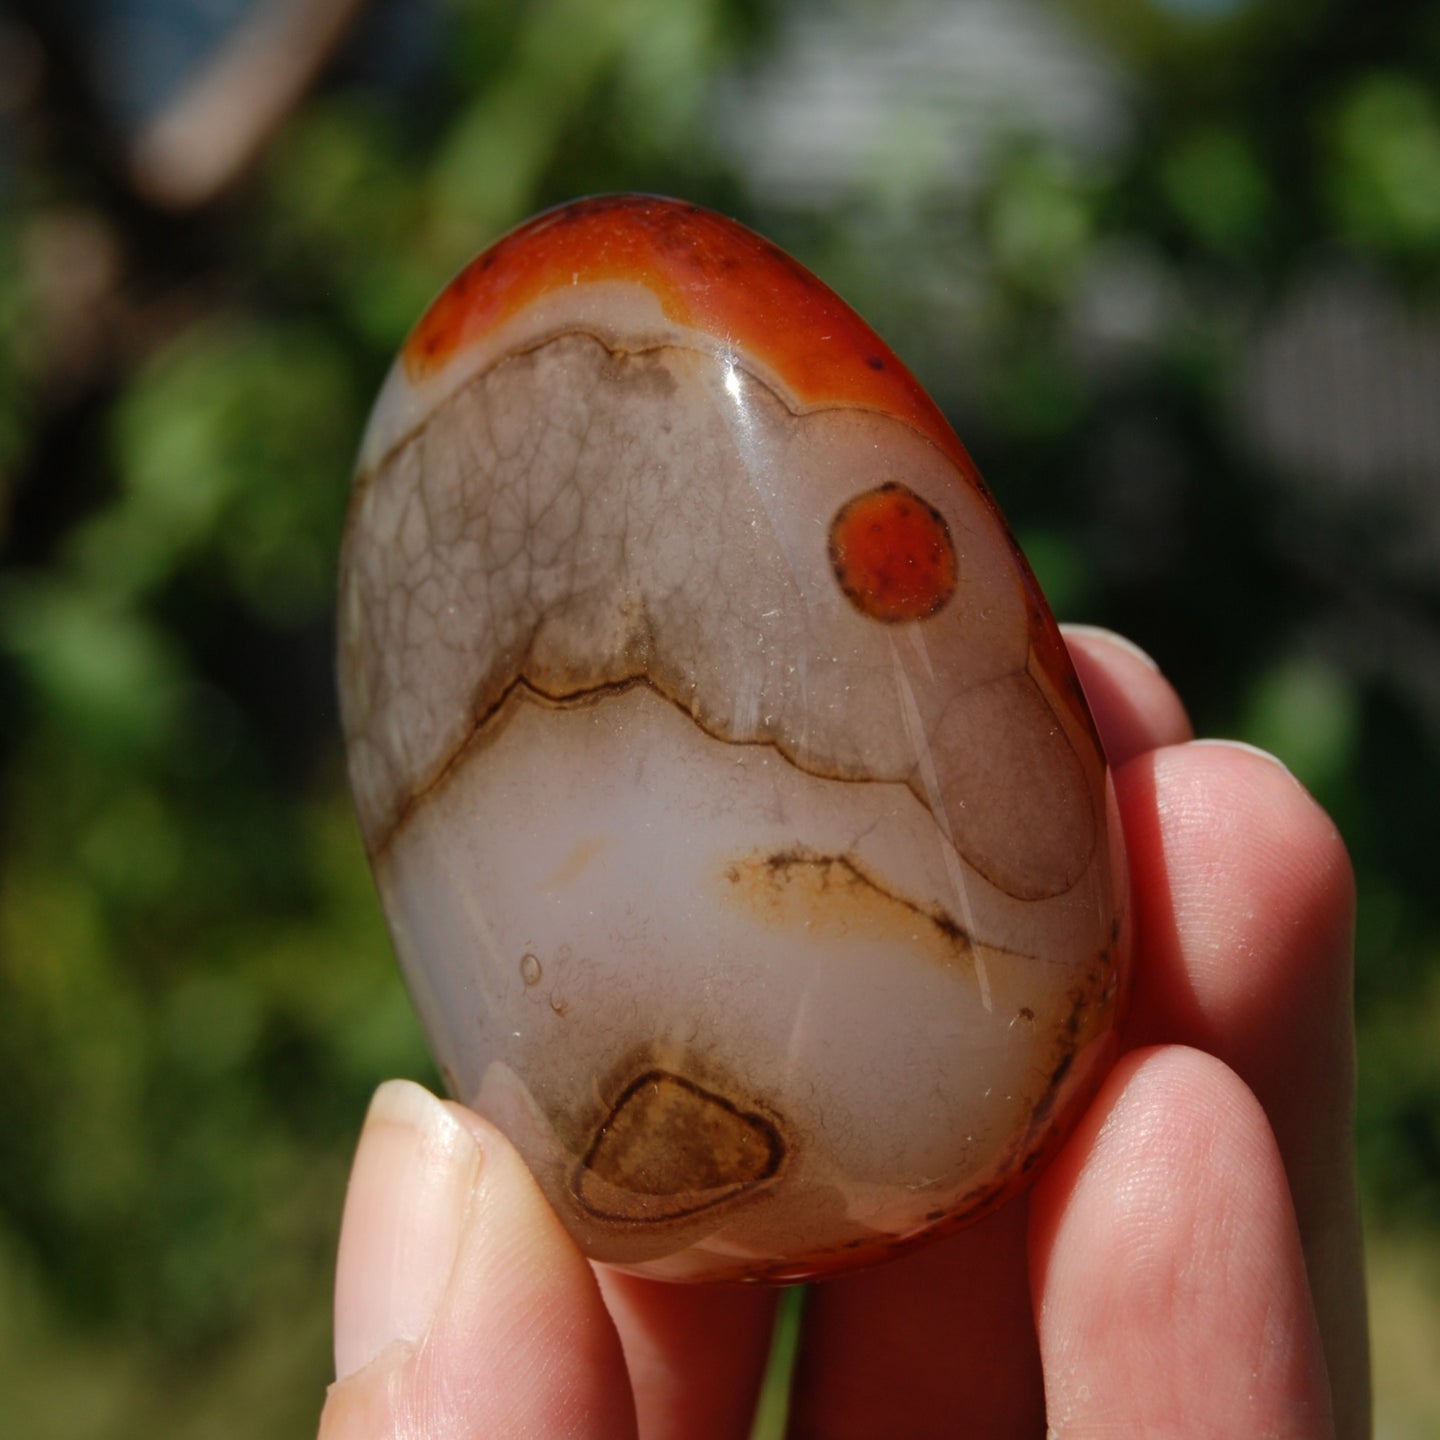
740	823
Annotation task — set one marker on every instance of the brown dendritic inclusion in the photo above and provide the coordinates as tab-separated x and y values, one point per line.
671	1148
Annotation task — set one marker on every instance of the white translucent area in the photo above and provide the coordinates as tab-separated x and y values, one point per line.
593	893
577	518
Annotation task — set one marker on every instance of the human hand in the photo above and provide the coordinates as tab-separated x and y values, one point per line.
1188	1264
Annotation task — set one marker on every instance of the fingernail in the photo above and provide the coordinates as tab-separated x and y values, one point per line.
1110	637
410	1189
1247	748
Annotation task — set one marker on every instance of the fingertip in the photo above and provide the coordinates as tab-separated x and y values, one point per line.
1101	639
359	1406
524	1309
1161	1111
1169	1284
1244	902
461	1302
1307	840
1135	708
410	1187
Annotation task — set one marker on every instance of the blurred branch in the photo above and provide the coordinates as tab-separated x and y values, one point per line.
211	133
204	139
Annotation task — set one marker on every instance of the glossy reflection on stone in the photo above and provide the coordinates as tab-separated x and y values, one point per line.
744	835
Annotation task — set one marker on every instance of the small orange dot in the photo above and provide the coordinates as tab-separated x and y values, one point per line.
892	554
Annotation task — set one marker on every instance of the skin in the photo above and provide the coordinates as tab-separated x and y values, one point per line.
1189	1264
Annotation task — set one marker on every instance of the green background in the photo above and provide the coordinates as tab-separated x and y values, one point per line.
1188	344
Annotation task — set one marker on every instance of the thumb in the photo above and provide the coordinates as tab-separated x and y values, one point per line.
461	1305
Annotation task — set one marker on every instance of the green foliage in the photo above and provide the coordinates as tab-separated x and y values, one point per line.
1307	712
1218	188
1384	183
1039	223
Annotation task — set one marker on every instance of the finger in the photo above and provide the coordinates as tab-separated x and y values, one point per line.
462	1308
943	1340
696	1354
1135	707
1170	1288
939	1342
1244	905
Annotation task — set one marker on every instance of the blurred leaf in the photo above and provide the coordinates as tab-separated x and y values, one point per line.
1219	189
345	218
1399	1114
103	672
488	172
234	440
1035	392
1306	713
1039	222
1061	571
1385	180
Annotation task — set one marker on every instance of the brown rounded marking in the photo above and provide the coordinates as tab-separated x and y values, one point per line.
671	1148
